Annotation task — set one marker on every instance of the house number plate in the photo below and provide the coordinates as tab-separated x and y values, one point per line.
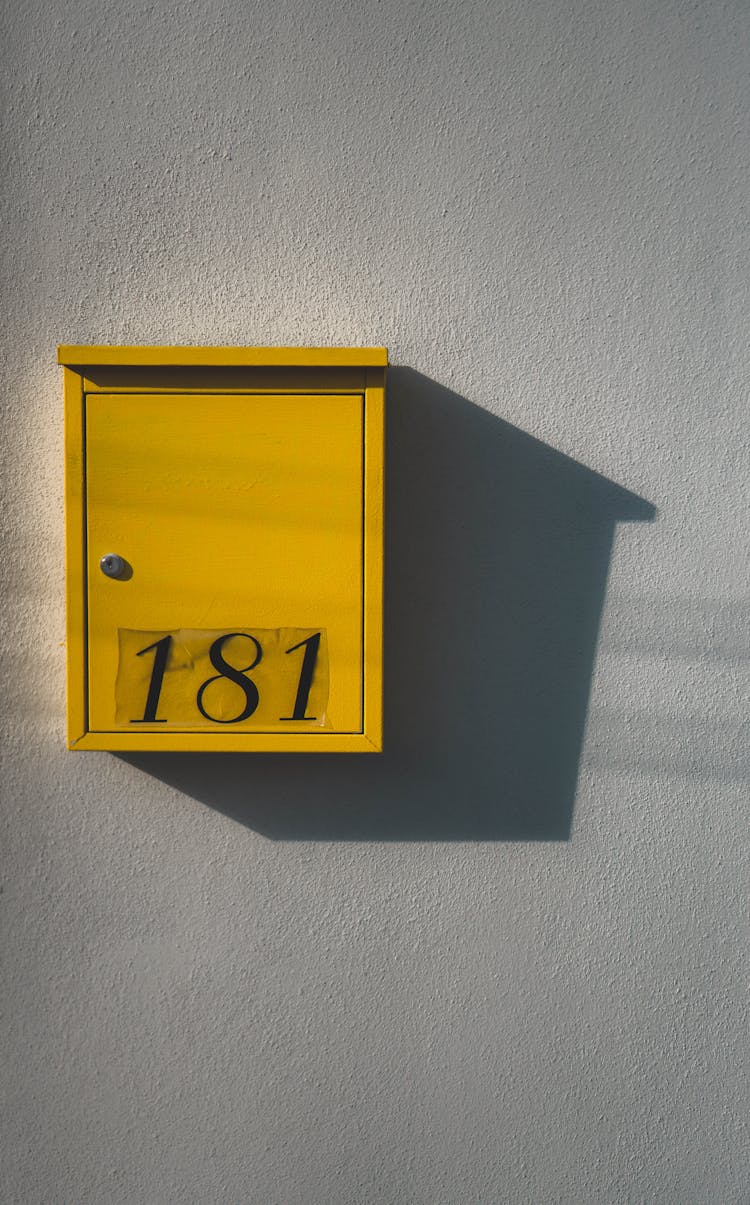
254	679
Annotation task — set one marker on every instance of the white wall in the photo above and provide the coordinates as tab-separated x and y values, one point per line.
217	988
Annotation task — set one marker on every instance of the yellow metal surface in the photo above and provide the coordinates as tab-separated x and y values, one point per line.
374	458
237	742
75	555
233	512
113	378
243	488
80	354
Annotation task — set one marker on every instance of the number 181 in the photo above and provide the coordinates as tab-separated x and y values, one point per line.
237	674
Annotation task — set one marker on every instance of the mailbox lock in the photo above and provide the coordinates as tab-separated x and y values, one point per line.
112	565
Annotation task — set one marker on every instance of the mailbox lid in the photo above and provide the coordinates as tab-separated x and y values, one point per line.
233	511
80	355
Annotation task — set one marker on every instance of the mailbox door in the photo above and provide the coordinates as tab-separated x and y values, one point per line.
233	513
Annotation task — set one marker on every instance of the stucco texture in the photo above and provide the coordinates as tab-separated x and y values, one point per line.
507	960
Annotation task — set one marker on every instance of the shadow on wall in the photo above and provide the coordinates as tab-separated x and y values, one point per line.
497	553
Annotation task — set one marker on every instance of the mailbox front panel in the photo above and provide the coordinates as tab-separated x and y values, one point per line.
228	540
236	515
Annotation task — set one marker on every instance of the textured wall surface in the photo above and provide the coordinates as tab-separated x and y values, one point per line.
507	962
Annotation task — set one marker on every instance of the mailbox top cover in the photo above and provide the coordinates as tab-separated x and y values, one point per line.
82	355
224	515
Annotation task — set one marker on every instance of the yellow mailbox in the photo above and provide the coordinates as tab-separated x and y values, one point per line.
224	516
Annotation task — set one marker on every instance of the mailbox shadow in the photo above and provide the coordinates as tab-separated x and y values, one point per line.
497	553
